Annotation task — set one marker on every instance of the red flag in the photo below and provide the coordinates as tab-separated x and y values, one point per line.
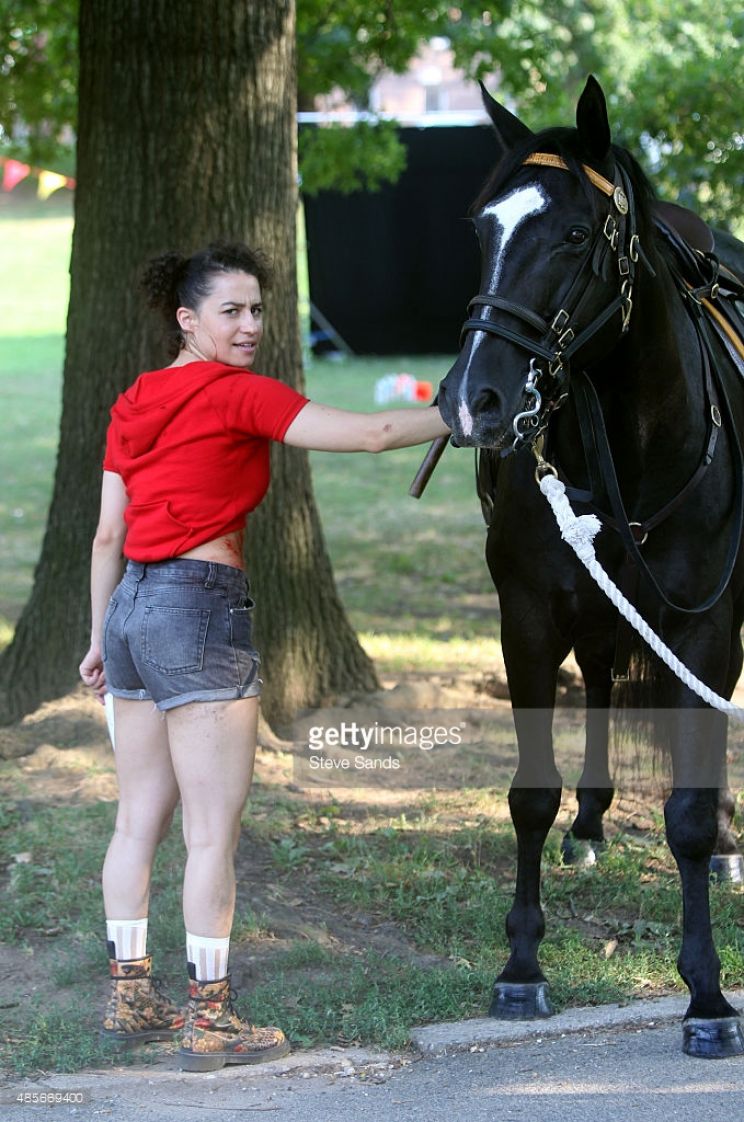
13	172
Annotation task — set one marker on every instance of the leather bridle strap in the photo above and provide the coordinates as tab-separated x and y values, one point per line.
493	328
549	160
514	310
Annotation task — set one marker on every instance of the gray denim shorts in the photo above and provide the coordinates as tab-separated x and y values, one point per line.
180	631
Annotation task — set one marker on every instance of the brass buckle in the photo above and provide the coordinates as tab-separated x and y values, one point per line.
634	247
565	338
610	231
624	266
555	367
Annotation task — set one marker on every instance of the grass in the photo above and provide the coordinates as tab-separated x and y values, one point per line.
34	251
445	887
451	889
414	583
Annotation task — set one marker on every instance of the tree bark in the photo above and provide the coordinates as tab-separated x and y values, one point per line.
186	134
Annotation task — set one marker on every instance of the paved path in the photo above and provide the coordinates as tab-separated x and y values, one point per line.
601	1065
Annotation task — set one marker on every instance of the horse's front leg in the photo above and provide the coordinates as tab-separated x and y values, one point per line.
521	989
711	1028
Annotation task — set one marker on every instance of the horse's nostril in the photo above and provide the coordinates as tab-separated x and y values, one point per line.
487	401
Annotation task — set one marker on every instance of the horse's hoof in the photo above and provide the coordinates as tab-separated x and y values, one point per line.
712	1038
727	868
520	1001
581	852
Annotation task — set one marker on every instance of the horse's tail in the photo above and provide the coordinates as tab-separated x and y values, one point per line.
643	703
648	718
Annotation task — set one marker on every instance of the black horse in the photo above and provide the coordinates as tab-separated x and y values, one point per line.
591	346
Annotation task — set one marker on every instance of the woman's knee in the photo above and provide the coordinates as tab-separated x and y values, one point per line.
217	834
144	824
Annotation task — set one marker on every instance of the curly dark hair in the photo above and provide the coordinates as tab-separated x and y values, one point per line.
171	280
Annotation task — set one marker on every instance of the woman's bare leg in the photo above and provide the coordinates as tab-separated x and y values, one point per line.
148	794
213	748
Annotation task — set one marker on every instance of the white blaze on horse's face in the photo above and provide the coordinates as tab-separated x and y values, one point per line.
507	214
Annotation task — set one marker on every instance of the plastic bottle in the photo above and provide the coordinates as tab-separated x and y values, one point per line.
401	387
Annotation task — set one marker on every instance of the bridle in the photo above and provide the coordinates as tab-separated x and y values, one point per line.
560	339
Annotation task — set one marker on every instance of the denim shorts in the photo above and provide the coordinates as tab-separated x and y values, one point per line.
180	631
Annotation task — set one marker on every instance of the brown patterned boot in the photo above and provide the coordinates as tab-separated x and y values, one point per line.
137	1011
215	1035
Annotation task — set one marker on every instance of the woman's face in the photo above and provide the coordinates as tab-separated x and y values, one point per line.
228	324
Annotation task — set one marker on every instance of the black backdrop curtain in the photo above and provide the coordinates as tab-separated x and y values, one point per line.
392	271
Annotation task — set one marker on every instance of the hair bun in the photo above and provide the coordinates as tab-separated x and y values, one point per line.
160	280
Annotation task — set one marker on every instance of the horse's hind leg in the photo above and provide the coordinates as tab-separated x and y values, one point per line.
584	839
727	863
712	1028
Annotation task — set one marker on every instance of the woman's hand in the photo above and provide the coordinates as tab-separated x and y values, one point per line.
92	673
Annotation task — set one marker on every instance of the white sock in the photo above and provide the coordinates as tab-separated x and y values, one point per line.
209	956
129	937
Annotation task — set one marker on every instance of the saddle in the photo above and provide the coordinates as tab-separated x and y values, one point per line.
700	273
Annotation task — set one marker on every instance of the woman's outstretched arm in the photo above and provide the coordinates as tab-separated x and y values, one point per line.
325	429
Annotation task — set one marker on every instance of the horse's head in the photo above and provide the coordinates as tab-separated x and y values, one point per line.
559	245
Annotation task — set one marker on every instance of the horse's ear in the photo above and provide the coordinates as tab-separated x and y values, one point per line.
509	130
592	121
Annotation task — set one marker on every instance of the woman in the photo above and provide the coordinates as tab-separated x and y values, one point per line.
187	457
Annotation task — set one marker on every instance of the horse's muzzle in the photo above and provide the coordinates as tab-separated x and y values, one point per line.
476	422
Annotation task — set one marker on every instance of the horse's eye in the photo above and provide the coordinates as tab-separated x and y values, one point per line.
577	235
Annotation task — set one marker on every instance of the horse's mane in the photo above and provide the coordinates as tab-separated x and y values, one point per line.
566	143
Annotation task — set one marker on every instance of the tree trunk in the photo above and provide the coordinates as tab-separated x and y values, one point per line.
186	134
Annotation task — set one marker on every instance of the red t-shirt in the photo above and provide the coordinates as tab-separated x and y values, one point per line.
192	446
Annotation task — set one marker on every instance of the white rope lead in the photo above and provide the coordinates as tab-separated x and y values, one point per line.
579	532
